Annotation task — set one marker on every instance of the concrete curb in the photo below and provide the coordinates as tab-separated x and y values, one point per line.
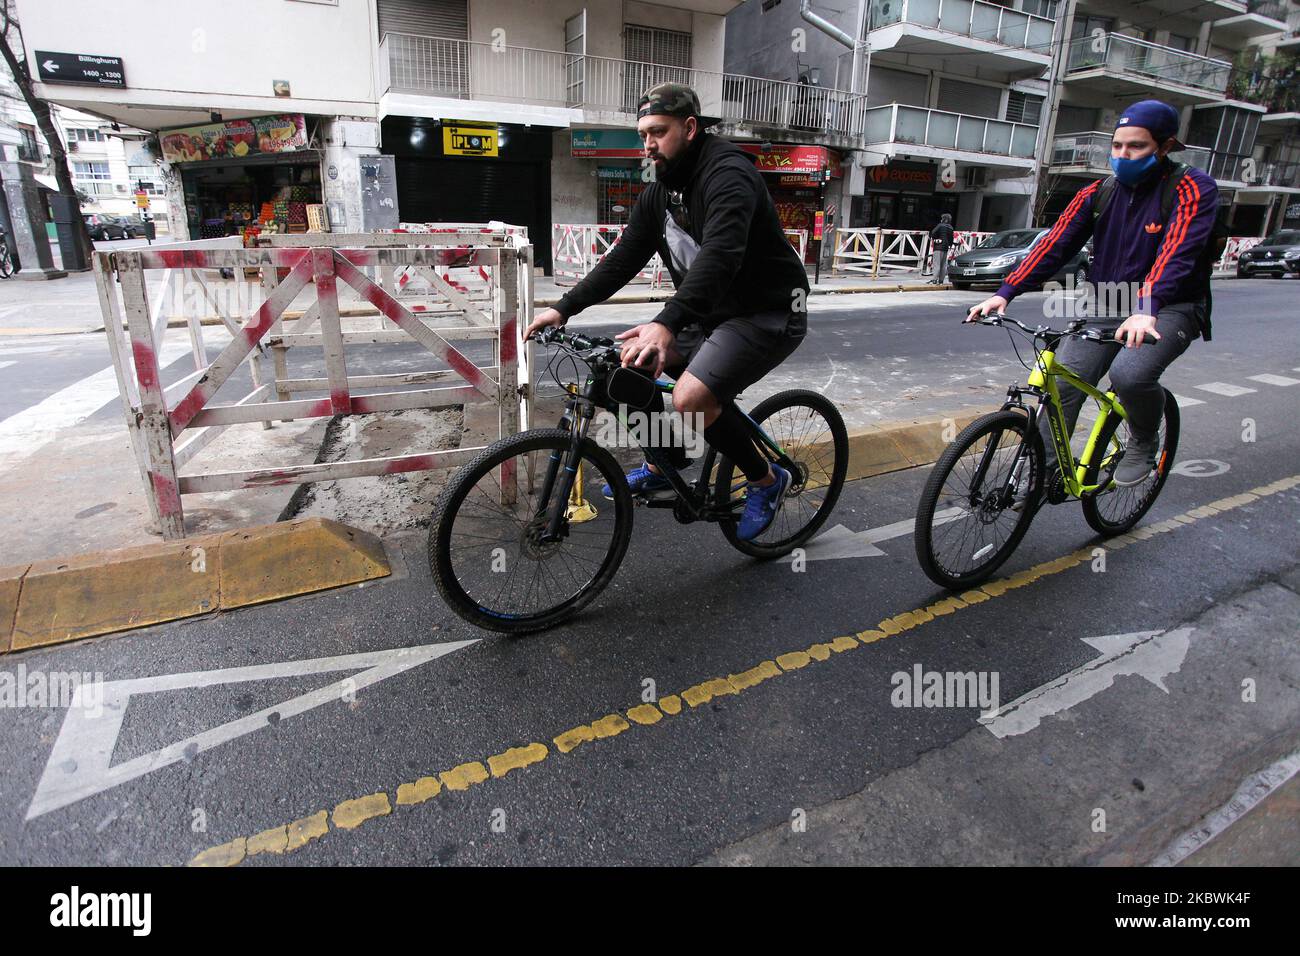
879	449
60	600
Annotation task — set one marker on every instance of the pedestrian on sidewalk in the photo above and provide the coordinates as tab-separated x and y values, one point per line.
940	242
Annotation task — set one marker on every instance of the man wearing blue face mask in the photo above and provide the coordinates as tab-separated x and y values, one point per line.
1151	224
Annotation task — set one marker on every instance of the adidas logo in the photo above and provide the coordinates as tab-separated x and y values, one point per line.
1153	227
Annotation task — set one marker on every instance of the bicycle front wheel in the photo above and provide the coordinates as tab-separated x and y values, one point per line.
1113	509
491	558
965	524
810	430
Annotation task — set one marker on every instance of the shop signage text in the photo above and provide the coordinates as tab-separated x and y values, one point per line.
80	68
469	140
814	161
607	144
235	139
899	176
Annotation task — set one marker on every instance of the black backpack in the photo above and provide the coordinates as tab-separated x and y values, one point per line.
1214	245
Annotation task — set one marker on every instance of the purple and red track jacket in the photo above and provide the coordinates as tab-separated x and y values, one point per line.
1132	243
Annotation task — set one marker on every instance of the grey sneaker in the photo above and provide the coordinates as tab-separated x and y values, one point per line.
1139	458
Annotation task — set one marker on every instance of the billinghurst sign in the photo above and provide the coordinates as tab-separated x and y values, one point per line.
80	68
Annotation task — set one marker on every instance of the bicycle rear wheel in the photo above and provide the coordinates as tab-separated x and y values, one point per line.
965	525
810	429
1114	510
487	552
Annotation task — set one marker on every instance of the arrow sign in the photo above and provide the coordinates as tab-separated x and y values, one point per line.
840	542
1152	655
50	66
79	764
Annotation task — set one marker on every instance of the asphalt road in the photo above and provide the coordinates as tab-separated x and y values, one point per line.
715	782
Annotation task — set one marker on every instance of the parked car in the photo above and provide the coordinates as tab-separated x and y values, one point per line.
1269	257
103	227
134	226
1292	260
997	256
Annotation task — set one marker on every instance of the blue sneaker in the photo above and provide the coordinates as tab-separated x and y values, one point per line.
641	481
762	504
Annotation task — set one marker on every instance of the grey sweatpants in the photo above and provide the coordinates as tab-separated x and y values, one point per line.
1134	373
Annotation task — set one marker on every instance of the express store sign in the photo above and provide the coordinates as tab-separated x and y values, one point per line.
900	176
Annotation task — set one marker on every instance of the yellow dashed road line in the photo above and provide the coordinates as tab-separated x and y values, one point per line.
351	814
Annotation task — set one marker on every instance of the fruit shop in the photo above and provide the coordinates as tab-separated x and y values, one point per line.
246	176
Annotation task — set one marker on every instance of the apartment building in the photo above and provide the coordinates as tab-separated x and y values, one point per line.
949	97
386	110
1227	65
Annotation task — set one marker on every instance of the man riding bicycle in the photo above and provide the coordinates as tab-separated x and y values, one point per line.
1150	223
739	308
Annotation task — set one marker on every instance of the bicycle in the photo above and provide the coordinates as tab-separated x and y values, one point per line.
970	497
514	544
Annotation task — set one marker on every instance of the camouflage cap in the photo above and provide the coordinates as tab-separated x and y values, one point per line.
673	99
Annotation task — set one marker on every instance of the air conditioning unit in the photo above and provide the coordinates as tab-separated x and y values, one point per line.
977	177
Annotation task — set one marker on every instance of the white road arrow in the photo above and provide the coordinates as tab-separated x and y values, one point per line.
79	765
840	542
50	66
1152	655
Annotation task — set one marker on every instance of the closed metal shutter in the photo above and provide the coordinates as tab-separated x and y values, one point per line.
430	18
969	98
886	86
1024	107
476	190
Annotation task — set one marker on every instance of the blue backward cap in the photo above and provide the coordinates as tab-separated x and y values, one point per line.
1159	119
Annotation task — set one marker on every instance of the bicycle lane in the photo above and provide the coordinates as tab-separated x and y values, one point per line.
804	730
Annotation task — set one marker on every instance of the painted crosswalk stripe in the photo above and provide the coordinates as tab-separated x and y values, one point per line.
1274	379
7	364
1185	402
1223	388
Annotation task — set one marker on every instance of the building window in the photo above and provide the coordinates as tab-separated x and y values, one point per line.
86	136
1024	108
769	4
658	56
29	150
91	171
1183	43
1040	8
149	175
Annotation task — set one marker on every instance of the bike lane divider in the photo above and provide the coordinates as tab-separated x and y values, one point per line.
354	812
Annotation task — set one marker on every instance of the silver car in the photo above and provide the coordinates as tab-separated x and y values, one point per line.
997	256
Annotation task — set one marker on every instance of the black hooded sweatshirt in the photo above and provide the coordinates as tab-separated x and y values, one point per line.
744	265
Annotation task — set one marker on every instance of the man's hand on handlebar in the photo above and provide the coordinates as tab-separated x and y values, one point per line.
993	305
546	319
646	346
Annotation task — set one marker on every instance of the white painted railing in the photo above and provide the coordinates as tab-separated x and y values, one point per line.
915	125
971	18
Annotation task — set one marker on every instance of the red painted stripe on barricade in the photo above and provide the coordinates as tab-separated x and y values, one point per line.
146	364
508	350
166	493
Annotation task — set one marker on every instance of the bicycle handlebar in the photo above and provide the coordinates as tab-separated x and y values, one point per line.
1076	327
574	340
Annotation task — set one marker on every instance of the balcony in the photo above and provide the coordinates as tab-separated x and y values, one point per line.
1081	154
914	131
1228	171
594	89
1262	18
1125	67
987	35
1200	12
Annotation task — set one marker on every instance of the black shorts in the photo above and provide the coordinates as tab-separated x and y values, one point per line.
739	351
